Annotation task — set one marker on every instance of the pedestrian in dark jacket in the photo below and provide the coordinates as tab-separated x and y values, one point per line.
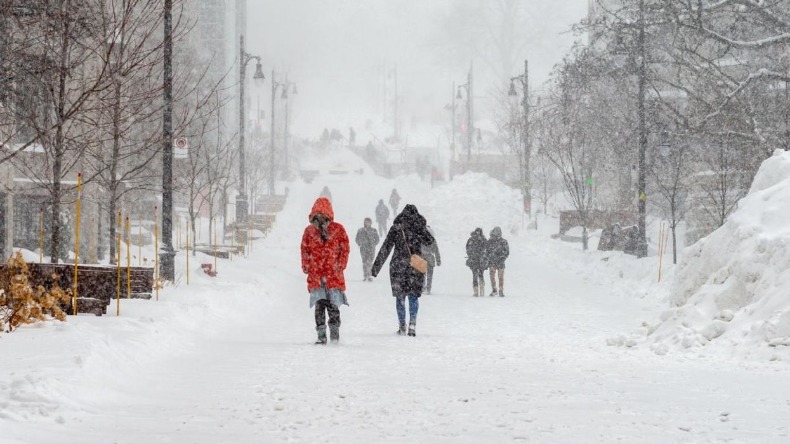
394	201
431	254
407	236
367	239
497	251
325	249
382	216
476	260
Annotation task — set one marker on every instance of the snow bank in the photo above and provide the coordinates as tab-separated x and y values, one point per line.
731	288
474	200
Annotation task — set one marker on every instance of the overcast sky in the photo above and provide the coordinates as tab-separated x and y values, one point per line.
336	51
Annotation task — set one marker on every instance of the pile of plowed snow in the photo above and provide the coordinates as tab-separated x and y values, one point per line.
732	289
474	200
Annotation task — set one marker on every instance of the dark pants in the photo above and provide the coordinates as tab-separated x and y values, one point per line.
382	227
330	308
367	262
429	278
477	277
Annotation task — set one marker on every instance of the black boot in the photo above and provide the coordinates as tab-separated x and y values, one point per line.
402	330
321	334
412	327
334	334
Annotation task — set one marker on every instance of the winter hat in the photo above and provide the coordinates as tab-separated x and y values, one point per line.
496	232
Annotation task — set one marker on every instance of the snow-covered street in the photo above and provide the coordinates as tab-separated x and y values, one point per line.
232	359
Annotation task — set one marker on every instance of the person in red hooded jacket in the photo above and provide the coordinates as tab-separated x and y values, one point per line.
325	249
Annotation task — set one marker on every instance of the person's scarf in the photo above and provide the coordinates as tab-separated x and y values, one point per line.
322	227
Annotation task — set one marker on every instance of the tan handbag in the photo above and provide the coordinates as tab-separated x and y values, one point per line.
416	261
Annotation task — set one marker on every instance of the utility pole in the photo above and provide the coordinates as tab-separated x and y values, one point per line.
241	197
525	140
168	254
641	250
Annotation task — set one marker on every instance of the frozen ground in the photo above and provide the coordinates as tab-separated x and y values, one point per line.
231	358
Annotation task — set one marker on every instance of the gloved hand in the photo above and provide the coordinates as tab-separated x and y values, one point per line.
438	263
304	270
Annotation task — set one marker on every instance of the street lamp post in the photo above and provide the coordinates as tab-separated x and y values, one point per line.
287	97
272	166
241	197
525	174
469	128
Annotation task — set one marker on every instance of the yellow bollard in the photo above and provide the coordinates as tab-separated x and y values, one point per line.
91	247
118	266
128	258
77	241
41	236
187	249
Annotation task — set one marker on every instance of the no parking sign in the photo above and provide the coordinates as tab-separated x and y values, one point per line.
180	148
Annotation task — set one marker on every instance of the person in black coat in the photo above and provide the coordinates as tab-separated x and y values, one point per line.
431	254
407	236
367	238
382	216
476	260
497	251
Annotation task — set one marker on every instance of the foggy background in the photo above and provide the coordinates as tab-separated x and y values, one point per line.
339	51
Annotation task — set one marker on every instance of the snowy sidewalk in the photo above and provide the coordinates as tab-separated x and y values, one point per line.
232	359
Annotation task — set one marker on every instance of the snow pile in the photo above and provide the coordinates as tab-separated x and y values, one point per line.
474	200
731	288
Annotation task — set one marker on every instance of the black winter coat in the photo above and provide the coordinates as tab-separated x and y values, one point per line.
408	228
497	250
476	250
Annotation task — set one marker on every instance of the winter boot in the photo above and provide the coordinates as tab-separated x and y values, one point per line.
334	334
412	327
475	292
493	292
501	294
402	330
321	334
482	290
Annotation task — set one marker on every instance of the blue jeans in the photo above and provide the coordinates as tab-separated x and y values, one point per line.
400	306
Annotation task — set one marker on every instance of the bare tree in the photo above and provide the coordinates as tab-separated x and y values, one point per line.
671	172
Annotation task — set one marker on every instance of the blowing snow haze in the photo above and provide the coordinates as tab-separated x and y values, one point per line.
339	52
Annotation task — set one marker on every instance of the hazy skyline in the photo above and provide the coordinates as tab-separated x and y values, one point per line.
335	52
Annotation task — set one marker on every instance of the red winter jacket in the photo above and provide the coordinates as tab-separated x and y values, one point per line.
328	259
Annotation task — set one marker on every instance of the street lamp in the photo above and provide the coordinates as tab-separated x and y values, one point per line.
241	197
286	96
284	85
469	128
525	175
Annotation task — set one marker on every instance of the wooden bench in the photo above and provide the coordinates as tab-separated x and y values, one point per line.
270	204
